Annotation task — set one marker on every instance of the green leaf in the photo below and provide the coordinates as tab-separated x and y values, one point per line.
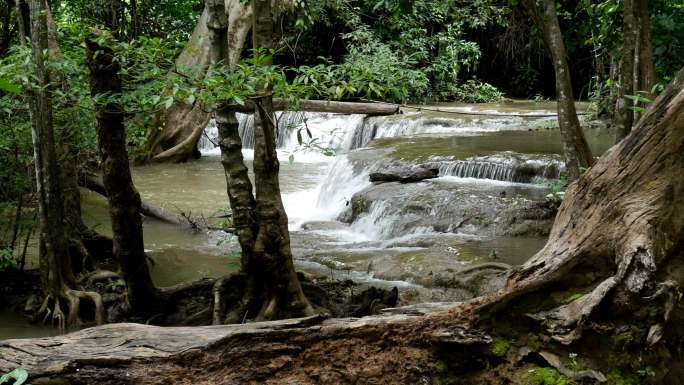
19	376
8	87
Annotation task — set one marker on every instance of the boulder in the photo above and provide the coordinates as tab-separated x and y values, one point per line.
404	174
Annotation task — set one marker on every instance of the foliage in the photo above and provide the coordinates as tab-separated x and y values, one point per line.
171	19
7	260
476	91
19	375
548	376
425	40
558	186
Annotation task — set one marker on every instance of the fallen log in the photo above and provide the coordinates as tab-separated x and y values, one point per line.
371	109
94	183
304	351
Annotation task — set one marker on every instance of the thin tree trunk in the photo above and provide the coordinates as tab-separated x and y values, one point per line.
647	74
575	147
625	105
124	200
20	206
55	261
283	296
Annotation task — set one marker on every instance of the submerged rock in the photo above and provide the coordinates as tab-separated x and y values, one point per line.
404	174
391	210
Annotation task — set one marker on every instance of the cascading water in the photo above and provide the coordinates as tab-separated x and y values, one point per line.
327	131
506	166
341	132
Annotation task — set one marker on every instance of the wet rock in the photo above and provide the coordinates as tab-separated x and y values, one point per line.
404	174
324	225
394	209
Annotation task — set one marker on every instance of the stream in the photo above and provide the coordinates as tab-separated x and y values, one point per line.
491	158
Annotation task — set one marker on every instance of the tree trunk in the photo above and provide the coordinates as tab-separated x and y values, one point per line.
281	290
575	147
55	260
625	105
619	232
175	135
124	200
647	74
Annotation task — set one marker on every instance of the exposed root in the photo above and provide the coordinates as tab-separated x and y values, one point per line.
565	323
52	312
97	276
218	307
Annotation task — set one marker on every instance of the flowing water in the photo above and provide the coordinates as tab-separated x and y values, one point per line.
408	232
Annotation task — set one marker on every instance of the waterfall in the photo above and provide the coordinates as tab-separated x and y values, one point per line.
209	139
505	166
341	133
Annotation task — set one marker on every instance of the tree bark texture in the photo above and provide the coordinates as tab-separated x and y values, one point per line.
625	105
619	232
575	147
175	135
647	74
62	302
124	199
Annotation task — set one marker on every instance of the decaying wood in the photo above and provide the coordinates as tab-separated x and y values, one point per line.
275	352
620	230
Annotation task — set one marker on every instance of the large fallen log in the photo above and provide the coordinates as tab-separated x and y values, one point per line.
371	109
309	350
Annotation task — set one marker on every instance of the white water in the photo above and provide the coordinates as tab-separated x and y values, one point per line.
342	133
338	181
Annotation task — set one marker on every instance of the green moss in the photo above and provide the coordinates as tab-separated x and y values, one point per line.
500	347
616	377
548	376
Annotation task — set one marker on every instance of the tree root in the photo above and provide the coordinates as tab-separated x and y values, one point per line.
565	323
52	312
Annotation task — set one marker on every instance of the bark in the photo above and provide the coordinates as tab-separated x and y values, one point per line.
620	230
618	239
271	268
575	147
55	260
647	74
626	87
175	135
124	199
